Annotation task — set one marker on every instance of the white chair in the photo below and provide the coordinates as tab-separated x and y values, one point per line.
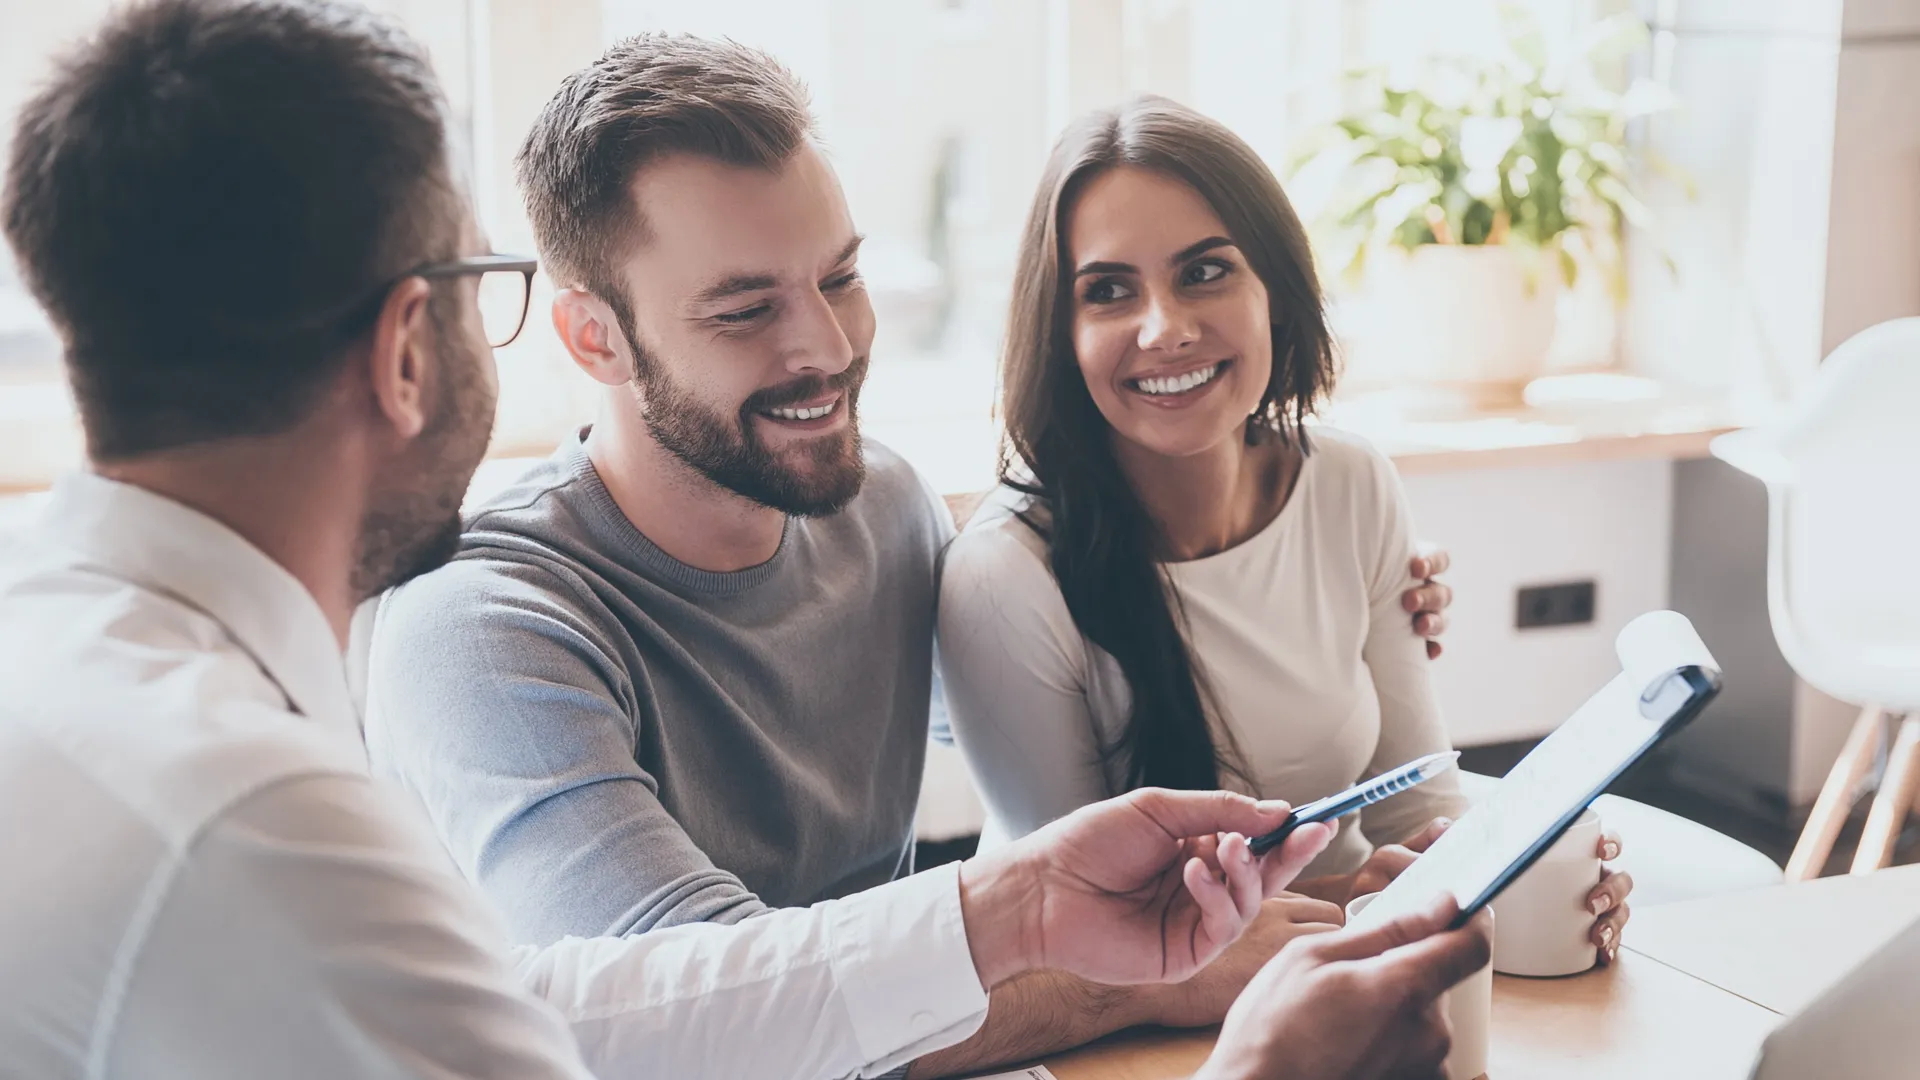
1843	588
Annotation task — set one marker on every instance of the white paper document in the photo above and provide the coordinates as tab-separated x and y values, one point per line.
1580	757
1031	1072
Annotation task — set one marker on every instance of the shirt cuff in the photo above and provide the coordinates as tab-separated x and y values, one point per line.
905	971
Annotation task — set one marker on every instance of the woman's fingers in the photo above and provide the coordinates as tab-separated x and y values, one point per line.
1388	862
1606	932
1425	837
1610	893
1608	902
1385	864
1301	910
1433	597
1609	846
1431	562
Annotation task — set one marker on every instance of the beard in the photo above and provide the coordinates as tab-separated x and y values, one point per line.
413	526
728	450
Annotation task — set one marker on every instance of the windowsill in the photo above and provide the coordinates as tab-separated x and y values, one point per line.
1568	420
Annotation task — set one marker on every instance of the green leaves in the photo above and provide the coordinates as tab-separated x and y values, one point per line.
1522	150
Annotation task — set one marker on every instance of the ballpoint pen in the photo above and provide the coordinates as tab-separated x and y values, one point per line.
1365	793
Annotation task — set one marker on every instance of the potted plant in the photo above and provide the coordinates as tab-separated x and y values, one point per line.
1466	191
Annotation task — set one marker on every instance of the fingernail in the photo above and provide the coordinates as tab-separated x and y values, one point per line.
1612	953
1606	936
1613	851
1598	905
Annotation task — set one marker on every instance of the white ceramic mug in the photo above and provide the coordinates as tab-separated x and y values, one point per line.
1469	1009
1545	927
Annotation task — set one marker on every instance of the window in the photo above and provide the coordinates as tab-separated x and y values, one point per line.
937	113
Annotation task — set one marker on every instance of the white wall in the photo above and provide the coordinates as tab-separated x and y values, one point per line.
34	33
1873	247
1506	528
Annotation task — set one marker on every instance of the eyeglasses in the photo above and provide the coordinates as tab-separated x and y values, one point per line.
506	288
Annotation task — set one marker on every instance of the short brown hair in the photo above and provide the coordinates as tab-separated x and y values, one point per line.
648	96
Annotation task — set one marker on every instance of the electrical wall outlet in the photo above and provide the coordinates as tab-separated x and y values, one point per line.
1566	604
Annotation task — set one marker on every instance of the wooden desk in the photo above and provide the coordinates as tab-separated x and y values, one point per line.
1695	991
1640	1019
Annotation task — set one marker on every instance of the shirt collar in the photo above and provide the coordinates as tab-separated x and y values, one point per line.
164	547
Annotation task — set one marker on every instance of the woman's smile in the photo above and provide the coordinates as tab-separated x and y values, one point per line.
1178	388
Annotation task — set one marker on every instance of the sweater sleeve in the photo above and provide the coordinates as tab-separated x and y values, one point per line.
1396	657
496	696
1015	668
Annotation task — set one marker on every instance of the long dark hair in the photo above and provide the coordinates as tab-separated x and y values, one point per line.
1103	545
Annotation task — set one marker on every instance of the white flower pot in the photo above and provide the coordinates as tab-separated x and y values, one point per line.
1474	319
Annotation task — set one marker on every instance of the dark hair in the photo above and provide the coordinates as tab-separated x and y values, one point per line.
646	97
208	198
1103	545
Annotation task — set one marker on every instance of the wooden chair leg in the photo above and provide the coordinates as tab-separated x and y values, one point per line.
1897	791
1916	804
1831	809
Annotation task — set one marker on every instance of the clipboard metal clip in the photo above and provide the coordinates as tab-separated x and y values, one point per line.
1667	697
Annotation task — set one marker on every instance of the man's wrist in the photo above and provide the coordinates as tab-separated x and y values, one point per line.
1000	905
1159	1004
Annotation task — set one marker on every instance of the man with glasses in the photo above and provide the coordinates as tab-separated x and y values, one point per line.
276	337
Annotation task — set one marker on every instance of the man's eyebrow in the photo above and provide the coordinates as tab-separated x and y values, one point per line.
1198	247
847	252
734	285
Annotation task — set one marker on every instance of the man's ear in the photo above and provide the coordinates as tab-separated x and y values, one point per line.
400	360
587	327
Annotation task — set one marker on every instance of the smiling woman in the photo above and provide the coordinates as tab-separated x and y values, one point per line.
1174	586
1189	276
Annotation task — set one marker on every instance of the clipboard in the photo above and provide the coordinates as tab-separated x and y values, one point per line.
1667	677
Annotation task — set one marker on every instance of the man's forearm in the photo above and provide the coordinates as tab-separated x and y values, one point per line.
1036	1014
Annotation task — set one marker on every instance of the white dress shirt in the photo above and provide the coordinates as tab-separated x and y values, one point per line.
199	878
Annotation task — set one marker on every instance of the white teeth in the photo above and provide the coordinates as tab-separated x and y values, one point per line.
1179	384
814	413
